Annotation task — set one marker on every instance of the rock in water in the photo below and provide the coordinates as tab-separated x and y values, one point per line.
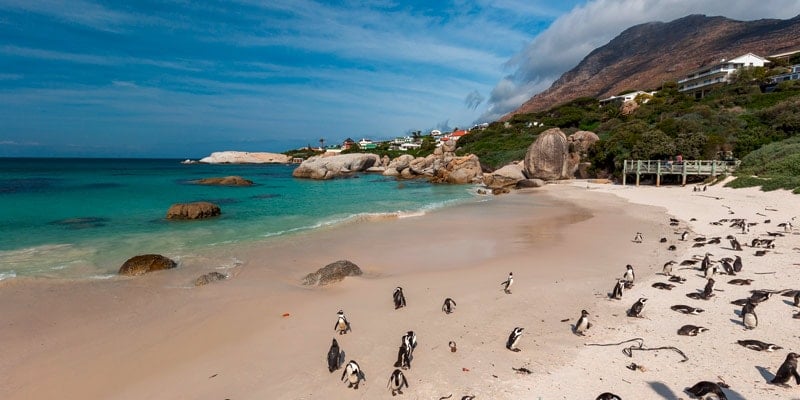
145	263
209	277
506	176
196	210
324	167
226	181
332	273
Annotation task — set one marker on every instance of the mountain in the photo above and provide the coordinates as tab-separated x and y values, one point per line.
645	56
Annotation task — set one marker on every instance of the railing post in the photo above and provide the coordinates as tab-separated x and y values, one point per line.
638	169
683	172
713	169
658	174
624	170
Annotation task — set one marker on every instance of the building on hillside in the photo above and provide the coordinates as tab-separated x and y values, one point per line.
366	144
409	146
619	100
701	81
348	143
792	75
455	135
784	56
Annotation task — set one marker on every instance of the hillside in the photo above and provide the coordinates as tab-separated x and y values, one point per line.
647	55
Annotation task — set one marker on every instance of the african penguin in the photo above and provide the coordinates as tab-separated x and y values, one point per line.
686	309
629	275
403	357
758	345
735	245
638	238
399	298
616	293
353	374
691	330
684	235
342	324
608	396
700	389
667	270
513	339
710	272
396	382
728	267
410	340
787	370
448	306
797	299
749	317
583	323
507	283
335	357
636	309
708	290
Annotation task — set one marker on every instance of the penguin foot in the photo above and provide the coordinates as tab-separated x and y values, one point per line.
516	350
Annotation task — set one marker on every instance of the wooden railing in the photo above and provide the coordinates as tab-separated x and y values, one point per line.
683	168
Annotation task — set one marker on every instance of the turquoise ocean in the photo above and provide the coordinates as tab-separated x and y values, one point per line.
80	218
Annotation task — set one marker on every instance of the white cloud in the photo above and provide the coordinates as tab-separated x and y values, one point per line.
73	11
575	34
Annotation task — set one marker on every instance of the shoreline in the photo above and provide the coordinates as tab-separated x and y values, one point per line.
150	337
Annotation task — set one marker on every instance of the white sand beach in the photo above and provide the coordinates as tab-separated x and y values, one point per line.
152	337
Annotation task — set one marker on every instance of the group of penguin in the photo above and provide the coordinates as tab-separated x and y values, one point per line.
730	266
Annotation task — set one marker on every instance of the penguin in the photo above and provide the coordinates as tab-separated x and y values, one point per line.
749	317
710	272
508	282
452	345
663	286
686	309
335	357
758	345
399	298
708	290
667	269
677	279
735	245
700	389
403	357
410	340
740	282
636	308
396	382
583	323
342	324
353	374
629	276
684	235
797	299
662	240
608	396
760	296
616	293
513	339
787	370
638	238
706	262
691	330
672	248
728	267
448	306
715	240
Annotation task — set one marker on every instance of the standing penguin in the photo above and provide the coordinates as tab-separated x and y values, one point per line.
629	276
787	370
749	317
737	264
508	282
708	290
403	357
636	308
399	298
513	339
410	340
342	324
638	238
726	265
710	271
335	357
735	245
583	323
353	374
616	293
448	306
706	262
667	269
396	382
684	235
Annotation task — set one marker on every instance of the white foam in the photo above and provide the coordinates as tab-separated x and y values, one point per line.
7	275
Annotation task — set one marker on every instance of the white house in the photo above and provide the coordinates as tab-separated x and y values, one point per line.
699	82
793	75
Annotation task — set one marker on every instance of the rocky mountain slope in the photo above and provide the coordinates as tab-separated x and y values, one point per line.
644	56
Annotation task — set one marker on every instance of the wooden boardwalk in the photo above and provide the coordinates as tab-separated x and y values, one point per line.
684	168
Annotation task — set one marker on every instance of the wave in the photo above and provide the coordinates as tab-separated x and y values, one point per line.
7	275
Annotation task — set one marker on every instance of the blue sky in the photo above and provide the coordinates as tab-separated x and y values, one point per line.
177	78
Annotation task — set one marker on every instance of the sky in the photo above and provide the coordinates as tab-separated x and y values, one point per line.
179	78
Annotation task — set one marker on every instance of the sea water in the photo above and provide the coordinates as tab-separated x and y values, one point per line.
81	218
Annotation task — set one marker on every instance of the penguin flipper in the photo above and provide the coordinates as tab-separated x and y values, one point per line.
344	373
405	382
796	376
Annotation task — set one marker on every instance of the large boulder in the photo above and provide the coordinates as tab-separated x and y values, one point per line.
196	210
400	163
245	157
459	170
504	177
547	157
145	263
332	273
335	166
225	181
530	183
582	141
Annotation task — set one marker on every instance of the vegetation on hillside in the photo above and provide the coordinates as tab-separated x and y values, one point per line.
773	166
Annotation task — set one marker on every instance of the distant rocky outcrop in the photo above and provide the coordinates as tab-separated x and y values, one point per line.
337	166
332	273
245	157
647	55
196	210
145	263
225	181
210	277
